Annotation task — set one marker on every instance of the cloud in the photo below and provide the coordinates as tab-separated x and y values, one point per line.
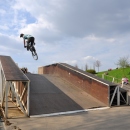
77	19
71	31
89	58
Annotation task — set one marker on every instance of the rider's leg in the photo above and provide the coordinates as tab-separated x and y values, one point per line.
32	43
32	40
28	41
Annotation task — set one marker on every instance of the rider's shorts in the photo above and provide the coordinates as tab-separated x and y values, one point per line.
31	39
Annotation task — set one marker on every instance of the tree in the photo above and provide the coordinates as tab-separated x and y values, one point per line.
92	71
94	65
76	66
86	67
123	62
97	64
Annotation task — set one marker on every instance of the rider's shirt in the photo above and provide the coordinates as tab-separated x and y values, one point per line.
27	36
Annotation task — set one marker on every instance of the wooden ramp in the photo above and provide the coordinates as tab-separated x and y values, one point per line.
14	85
51	94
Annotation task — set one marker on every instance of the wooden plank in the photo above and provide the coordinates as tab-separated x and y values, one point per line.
6	100
28	98
23	93
3	96
18	100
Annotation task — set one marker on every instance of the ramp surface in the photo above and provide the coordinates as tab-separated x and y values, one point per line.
11	70
51	94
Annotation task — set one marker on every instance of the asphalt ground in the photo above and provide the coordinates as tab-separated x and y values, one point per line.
116	118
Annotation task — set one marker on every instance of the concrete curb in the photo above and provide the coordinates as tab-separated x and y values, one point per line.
68	112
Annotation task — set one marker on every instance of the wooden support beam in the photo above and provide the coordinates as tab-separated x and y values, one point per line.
12	94
6	100
24	106
28	96
20	104
23	93
3	98
3	94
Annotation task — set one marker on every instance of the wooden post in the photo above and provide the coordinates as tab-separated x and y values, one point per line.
102	76
12	94
28	96
6	100
113	79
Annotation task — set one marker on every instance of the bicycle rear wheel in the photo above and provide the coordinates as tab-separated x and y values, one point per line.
34	54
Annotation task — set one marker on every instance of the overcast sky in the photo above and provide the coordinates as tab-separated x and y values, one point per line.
77	32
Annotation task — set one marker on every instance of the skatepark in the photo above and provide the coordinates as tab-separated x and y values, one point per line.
58	90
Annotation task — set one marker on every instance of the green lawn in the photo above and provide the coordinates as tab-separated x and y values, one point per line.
117	74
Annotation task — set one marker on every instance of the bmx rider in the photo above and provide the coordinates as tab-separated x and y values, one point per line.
29	39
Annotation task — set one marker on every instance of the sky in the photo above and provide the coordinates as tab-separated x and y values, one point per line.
76	32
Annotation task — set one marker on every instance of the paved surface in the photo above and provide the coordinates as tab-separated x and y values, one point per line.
13	111
117	118
51	94
2	125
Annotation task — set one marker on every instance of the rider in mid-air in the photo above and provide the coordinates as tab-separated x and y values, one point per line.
29	39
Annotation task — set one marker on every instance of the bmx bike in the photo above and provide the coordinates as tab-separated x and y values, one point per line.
33	50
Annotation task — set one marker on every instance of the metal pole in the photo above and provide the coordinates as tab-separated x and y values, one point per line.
118	96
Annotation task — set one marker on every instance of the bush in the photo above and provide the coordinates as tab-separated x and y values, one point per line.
91	71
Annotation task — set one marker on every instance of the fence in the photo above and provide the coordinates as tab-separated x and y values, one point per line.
110	78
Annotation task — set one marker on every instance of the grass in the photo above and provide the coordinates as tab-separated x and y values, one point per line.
117	74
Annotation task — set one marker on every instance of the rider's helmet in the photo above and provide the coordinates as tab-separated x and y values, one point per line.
21	35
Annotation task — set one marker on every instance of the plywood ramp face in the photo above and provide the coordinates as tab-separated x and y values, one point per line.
91	84
52	94
97	87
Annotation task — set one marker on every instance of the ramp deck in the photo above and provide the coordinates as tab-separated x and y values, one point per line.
51	94
11	70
